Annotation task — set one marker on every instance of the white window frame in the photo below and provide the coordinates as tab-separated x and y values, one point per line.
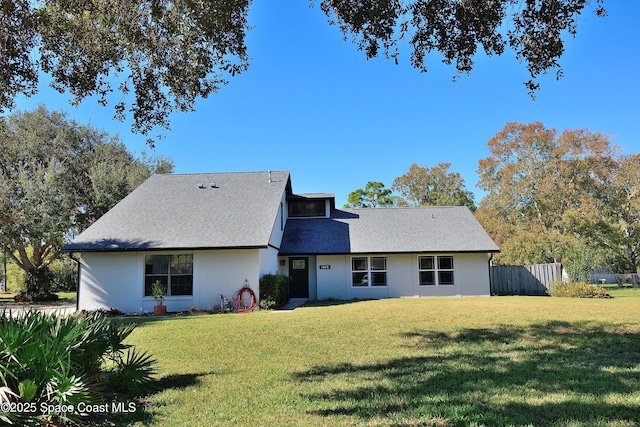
437	270
368	272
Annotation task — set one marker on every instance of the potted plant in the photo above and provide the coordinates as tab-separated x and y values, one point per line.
158	292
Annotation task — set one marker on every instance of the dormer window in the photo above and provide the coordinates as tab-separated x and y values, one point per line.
307	208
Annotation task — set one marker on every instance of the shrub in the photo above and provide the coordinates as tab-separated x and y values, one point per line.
274	290
52	361
38	286
577	290
64	276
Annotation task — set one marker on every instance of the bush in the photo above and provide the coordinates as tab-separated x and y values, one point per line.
58	362
40	285
64	277
274	290
577	290
39	296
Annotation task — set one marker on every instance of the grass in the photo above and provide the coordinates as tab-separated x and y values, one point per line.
6	298
622	291
515	361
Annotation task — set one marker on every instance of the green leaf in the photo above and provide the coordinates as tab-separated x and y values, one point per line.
27	389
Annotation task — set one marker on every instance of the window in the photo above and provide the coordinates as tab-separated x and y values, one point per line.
445	270
175	272
369	271
306	208
427	270
435	270
281	217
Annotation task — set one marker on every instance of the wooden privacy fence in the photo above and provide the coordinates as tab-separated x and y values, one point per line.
524	280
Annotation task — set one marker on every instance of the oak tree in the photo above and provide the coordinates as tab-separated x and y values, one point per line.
56	178
550	194
458	28
166	54
610	213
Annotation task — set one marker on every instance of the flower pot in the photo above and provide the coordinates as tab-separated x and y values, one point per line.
160	309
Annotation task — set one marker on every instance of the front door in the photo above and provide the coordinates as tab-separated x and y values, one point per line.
299	277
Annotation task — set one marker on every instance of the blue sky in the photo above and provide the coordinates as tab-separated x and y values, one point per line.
312	104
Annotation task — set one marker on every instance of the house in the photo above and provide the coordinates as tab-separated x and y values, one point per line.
204	235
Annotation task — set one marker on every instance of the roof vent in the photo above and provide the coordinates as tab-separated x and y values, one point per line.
269	176
201	185
213	185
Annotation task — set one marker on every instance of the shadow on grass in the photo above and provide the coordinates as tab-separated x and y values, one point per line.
555	373
142	320
140	411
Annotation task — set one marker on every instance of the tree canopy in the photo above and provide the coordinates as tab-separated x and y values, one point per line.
374	195
165	54
420	186
436	186
551	193
56	178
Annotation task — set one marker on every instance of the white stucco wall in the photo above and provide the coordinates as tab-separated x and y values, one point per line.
334	281
224	272
313	277
110	280
268	261
116	279
473	274
471	277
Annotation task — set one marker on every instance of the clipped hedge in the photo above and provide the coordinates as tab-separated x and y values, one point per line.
274	290
577	290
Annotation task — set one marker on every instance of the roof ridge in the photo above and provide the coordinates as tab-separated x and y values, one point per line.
404	207
223	173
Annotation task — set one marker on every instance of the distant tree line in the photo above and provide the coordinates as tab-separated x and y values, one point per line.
568	197
420	186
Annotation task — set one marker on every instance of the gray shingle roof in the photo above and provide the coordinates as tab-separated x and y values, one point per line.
390	230
171	212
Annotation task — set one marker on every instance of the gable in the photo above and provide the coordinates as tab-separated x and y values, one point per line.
214	210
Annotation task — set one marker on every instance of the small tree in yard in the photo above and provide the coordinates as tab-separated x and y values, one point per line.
579	263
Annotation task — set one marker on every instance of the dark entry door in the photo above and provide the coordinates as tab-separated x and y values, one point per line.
299	277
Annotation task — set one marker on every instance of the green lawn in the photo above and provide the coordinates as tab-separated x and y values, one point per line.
401	362
6	298
622	291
